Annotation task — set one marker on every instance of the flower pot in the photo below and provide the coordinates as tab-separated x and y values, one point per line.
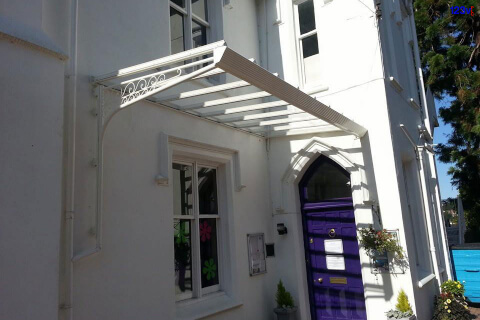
409	318
285	314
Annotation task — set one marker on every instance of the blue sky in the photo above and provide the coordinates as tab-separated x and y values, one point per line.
446	188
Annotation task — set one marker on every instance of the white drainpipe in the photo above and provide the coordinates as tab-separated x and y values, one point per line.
426	205
443	232
70	106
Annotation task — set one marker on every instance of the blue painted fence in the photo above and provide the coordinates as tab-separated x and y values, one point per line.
466	266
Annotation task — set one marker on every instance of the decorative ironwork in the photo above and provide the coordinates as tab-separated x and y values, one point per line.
137	88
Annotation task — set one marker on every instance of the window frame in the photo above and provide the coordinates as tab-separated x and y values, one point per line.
188	18
417	216
197	290
300	37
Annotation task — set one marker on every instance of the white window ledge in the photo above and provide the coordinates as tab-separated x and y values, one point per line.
206	306
426	280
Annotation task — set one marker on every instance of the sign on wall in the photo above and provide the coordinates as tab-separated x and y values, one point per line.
256	254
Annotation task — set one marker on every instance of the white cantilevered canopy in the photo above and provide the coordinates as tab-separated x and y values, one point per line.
194	82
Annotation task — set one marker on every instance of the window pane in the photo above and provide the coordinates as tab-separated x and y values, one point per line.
180	3
199	34
208	252
182	189
183	258
306	16
199	8
328	182
176	31
207	191
310	46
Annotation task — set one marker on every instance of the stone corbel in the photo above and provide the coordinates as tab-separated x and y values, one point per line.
162	177
237	172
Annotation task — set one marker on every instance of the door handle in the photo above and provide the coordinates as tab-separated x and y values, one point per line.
472	270
332	233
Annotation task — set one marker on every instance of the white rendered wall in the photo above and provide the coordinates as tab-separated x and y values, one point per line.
401	66
31	127
133	275
358	87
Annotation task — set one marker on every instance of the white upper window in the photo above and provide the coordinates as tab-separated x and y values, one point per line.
306	13
189	24
307	35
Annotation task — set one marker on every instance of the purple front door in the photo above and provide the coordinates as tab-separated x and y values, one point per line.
331	247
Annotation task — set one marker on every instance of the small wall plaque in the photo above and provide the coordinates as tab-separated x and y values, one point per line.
256	254
342	280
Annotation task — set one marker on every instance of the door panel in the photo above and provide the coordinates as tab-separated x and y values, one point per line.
331	247
333	267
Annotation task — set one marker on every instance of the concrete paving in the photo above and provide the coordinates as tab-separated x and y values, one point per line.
475	311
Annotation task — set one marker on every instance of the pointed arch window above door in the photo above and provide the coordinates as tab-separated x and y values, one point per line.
329	181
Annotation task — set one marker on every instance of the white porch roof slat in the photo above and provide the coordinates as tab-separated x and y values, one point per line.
214	72
289	126
204	91
229	100
306	130
248	108
263	115
295	111
269	122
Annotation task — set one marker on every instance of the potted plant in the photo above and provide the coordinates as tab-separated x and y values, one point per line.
403	310
451	304
376	242
286	308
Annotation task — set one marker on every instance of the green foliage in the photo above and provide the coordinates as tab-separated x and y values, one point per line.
454	288
451	304
379	241
403	308
450	53
283	297
449	307
395	314
402	303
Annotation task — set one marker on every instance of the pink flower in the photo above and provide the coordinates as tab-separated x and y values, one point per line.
205	231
